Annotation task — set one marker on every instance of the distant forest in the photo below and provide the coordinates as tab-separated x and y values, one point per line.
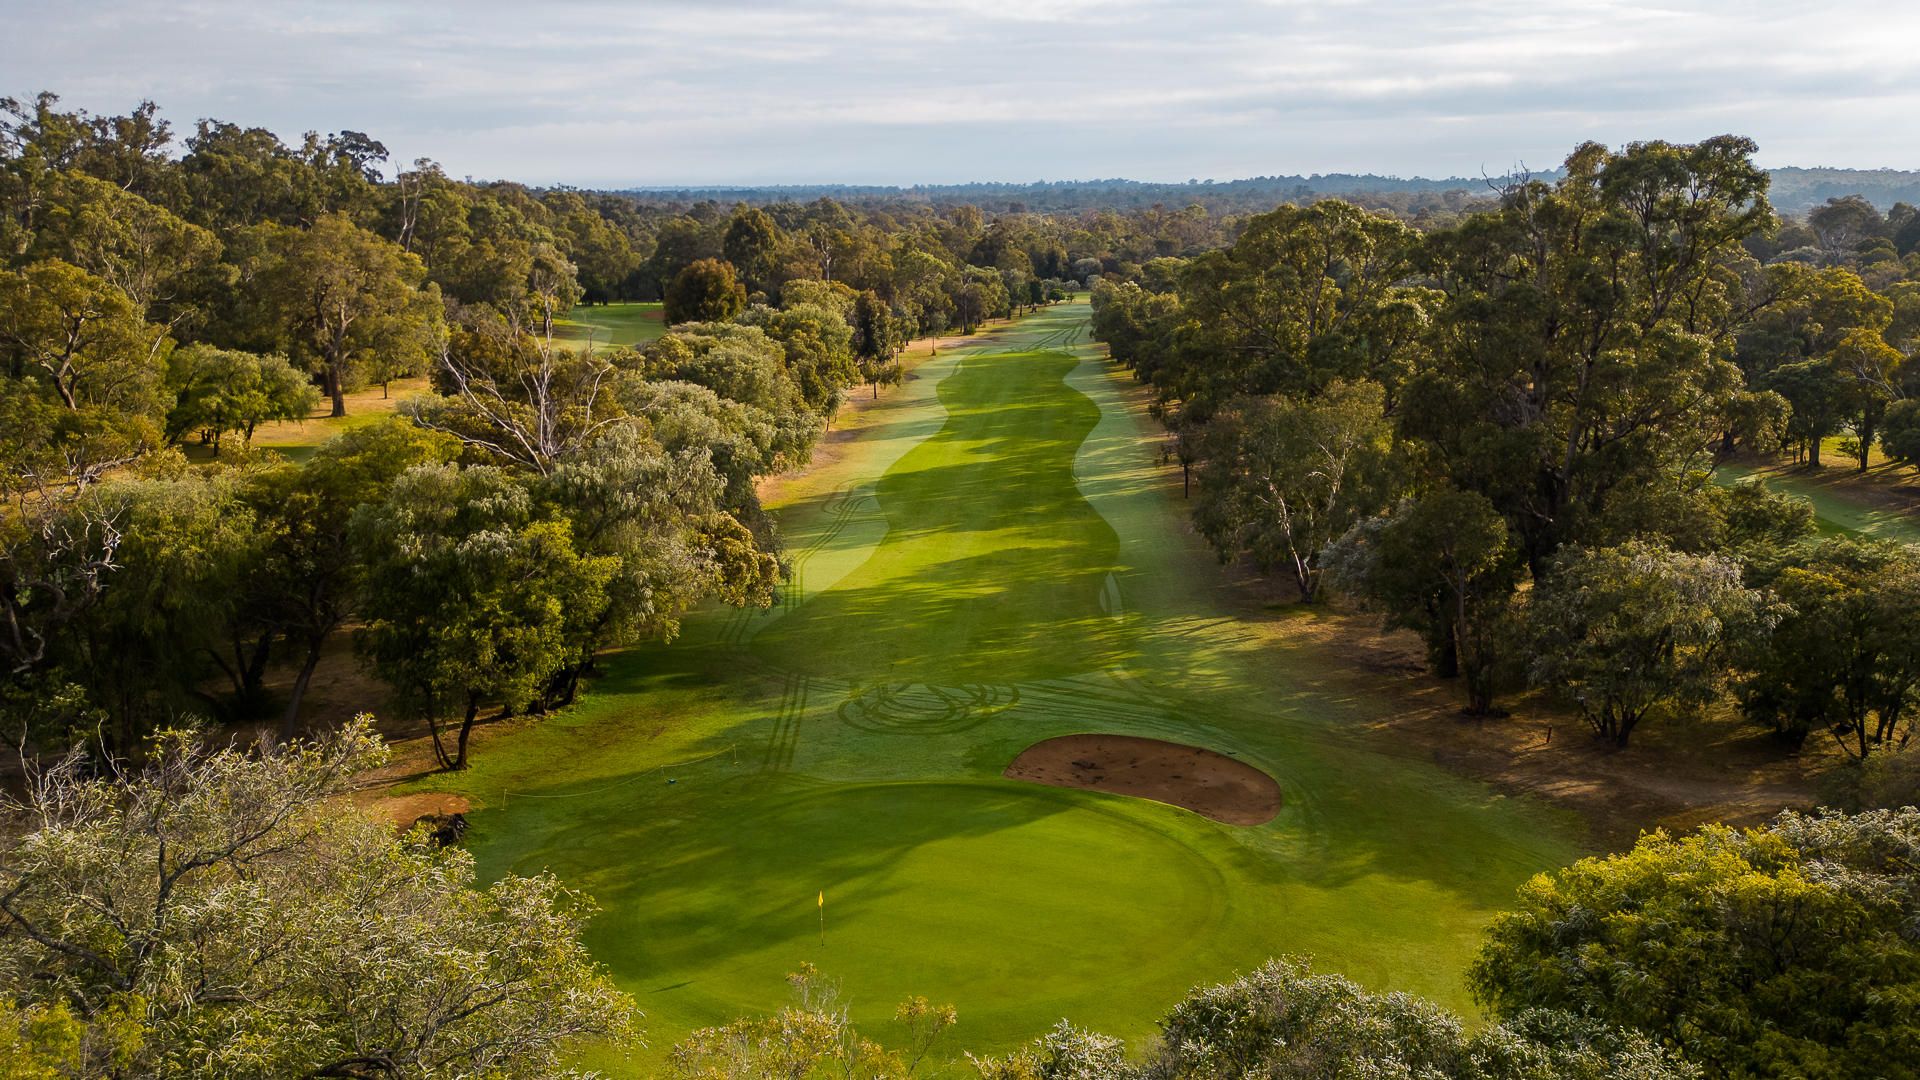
1794	190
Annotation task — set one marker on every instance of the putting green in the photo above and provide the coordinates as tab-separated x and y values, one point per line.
990	561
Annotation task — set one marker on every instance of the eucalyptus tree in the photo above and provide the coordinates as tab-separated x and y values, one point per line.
705	291
1845	657
515	397
142	249
878	337
1282	477
1584	348
222	391
471	595
82	395
1288	307
817	347
310	579
1628	632
1788	950
344	301
77	342
750	244
1444	566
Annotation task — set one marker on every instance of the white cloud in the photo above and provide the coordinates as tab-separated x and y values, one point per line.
605	92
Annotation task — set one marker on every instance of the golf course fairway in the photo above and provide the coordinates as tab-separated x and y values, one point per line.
989	558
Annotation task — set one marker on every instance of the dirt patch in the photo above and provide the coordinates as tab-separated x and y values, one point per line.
1196	779
404	810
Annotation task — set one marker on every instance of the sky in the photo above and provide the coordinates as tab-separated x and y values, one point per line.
596	93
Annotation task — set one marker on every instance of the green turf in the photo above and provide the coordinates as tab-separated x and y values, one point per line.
992	561
626	323
1837	508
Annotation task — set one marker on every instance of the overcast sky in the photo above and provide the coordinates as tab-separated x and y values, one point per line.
903	91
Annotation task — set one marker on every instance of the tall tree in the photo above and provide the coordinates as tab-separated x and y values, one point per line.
1444	566
138	247
310	576
1289	306
878	336
706	291
341	300
469	596
1625	631
750	244
1845	657
221	391
1282	477
1582	350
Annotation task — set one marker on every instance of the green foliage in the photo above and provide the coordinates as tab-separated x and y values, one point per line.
121	603
750	245
1845	657
346	303
1628	631
811	1038
1443	566
47	1042
1282	477
1065	1053
217	914
818	347
1821	396
470	597
740	363
655	516
1890	779
1285	1022
307	583
1301	298
1581	350
705	291
145	251
83	386
1757	520
878	336
1900	431
220	391
1784	951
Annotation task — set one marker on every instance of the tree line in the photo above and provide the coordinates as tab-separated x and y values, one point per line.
540	504
1502	433
1792	188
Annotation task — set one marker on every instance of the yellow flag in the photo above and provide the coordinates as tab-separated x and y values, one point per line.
823	898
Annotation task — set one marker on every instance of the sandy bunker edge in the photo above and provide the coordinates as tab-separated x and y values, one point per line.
1191	777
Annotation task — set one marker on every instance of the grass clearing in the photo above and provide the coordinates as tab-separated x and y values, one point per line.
625	323
991	562
1883	503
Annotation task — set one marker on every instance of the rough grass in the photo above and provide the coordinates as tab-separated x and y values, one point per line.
990	563
626	323
298	439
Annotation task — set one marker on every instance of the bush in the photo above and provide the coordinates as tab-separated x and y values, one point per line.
1284	1022
1900	431
220	914
1792	950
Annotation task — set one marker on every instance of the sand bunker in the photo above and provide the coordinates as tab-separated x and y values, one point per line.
1185	776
